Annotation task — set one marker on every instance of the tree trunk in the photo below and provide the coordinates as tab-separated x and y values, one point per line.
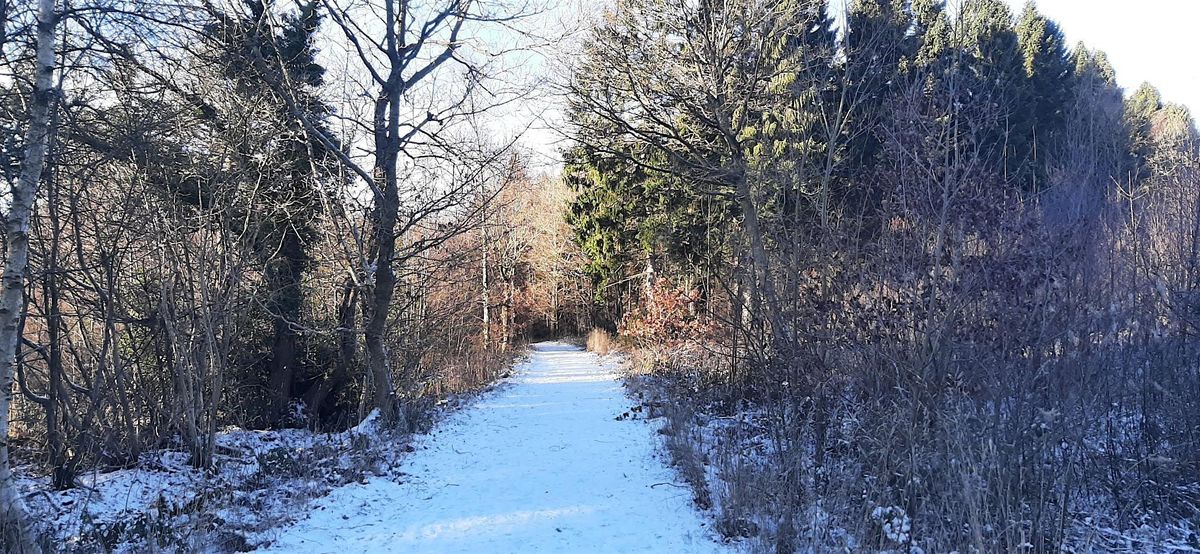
487	298
284	285
322	398
506	314
63	476
758	253
376	310
387	207
13	519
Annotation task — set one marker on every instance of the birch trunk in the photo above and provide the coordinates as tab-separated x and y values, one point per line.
13	519
487	298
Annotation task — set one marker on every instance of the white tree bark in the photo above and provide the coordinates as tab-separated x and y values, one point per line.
13	520
487	298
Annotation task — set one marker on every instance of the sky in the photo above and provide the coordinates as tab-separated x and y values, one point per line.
1146	40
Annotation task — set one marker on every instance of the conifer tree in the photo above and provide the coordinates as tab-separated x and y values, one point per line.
930	35
1140	109
994	75
1049	92
255	51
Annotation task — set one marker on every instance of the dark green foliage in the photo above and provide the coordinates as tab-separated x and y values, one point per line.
1139	118
663	205
287	164
624	216
605	215
993	76
889	43
929	35
1050	85
1035	115
1156	128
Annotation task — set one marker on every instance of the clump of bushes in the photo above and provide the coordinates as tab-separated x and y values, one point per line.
599	341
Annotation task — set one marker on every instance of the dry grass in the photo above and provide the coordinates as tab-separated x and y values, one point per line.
599	341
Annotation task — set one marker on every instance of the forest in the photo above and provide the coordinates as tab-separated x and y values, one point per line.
888	275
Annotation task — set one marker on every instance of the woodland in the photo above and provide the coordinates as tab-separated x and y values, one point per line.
893	275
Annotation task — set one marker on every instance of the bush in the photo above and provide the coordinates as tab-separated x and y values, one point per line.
667	317
599	341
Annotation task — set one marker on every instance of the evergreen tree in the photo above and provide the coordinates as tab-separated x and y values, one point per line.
994	76
1049	93
790	144
882	41
605	213
1159	131
930	35
877	42
1088	149
1140	110
254	55
624	216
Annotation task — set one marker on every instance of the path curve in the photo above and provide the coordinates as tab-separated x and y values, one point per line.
538	465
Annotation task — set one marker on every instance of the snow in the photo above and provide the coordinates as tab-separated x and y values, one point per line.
541	464
163	504
368	426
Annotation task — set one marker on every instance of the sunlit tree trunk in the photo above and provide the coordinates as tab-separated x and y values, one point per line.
13	522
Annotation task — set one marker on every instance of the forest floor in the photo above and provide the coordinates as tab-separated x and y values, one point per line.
547	462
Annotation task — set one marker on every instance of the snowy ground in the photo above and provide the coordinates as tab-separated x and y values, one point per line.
540	465
164	505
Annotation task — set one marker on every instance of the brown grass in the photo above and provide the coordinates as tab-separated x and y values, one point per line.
599	341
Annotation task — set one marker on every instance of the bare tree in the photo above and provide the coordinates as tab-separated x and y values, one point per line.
401	48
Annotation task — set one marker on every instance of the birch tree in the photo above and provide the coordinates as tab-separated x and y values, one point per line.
12	298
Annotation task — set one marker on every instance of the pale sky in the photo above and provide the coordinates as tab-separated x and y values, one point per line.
1146	40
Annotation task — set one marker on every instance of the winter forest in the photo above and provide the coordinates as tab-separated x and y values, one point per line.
904	276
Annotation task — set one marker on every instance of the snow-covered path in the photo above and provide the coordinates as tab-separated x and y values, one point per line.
539	465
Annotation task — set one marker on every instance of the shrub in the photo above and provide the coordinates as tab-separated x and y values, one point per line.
599	341
667	317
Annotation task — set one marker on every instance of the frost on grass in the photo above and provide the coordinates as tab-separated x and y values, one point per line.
752	466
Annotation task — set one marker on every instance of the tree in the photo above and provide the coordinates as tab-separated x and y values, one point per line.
1050	75
1090	148
292	167
684	90
993	72
627	220
14	526
401	50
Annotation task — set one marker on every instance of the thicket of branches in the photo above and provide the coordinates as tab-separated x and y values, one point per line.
948	264
208	226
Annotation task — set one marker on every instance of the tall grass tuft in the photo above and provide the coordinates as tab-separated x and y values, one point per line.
599	341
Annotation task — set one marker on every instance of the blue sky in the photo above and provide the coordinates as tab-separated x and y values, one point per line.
1146	40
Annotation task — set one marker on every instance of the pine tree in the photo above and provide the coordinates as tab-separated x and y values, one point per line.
1140	110
789	143
994	75
255	55
1049	90
930	36
877	42
607	210
883	38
